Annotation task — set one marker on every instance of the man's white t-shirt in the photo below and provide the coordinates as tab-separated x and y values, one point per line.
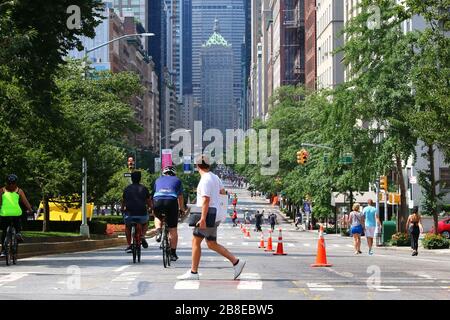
210	186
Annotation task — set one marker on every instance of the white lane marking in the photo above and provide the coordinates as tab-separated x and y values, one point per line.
250	281
426	276
349	245
445	288
121	236
233	237
229	243
336	245
319	287
387	288
307	245
245	243
121	268
290	244
184	243
187	285
11	277
126	277
9	287
219	238
157	257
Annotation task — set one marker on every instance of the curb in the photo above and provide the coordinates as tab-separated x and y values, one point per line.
27	250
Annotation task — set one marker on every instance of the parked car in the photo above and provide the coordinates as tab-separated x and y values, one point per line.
443	227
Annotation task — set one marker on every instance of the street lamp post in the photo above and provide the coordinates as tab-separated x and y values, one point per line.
84	228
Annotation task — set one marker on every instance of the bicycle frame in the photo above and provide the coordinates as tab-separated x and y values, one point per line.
10	245
136	231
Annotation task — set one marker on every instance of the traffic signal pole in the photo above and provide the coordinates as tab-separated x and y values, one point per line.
84	228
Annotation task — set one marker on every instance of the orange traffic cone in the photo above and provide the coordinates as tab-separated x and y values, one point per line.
247	234
261	242
321	259
269	242
280	251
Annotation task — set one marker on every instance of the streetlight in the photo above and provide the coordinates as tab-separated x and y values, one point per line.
84	228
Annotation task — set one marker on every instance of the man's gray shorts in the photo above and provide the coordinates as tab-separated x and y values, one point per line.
209	233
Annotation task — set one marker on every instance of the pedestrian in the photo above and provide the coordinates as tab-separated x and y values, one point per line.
258	221
415	228
234	217
356	220
234	202
372	220
272	220
298	219
209	190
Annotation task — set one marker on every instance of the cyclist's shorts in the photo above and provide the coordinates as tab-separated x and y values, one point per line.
168	207
137	219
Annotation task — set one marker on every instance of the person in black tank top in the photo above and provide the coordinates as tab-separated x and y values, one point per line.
415	228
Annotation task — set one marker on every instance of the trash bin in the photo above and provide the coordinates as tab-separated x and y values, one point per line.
389	228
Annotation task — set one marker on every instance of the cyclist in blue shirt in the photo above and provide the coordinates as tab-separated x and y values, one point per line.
168	200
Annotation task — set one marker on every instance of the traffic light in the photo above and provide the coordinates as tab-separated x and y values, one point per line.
130	163
383	183
302	157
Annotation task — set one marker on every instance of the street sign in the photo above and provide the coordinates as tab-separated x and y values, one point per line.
187	164
347	159
413	180
127	175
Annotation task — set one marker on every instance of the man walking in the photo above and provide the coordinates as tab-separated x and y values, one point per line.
371	220
272	220
208	195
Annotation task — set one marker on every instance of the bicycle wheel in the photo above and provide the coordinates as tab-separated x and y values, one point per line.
166	240
6	245
138	243
133	242
139	254
14	247
164	247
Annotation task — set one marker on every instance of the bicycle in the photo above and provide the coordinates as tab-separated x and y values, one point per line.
136	231
11	245
165	244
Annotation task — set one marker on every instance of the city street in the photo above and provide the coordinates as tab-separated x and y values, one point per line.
110	274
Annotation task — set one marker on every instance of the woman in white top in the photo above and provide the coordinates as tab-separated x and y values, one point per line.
356	221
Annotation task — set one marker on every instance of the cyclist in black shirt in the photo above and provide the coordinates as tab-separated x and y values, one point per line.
136	203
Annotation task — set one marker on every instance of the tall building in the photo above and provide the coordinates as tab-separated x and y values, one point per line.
310	45
330	22
137	8
218	110
232	26
266	56
255	101
187	46
246	113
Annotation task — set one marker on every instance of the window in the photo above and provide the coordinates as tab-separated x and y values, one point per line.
444	177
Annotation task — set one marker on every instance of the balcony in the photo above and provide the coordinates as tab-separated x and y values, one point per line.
292	19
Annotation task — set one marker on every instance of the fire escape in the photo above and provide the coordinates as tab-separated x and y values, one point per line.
293	47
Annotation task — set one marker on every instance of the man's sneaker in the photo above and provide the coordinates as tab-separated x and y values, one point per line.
173	257
238	269
128	249
188	276
158	235
370	252
144	243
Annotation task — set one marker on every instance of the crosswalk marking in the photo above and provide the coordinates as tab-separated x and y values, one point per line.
336	245
349	245
184	243
307	245
187	285
11	277
290	244
229	243
121	268
245	243
319	287
250	281
126	277
386	288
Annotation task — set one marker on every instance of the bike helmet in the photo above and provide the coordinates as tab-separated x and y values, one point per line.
12	178
169	170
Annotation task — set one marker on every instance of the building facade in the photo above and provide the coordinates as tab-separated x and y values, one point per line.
330	22
217	109
310	45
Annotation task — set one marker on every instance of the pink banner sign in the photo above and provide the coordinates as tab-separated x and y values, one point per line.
166	155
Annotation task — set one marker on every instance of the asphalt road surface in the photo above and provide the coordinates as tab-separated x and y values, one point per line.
110	274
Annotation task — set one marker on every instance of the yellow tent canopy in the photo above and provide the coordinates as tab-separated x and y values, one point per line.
65	211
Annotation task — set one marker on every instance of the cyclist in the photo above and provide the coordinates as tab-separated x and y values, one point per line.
10	197
168	199
136	203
